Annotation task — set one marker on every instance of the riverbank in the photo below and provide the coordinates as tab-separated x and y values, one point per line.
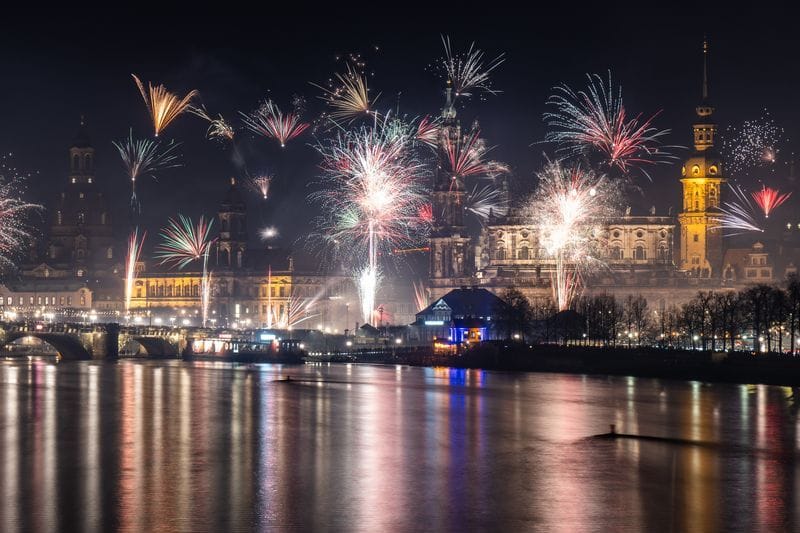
736	367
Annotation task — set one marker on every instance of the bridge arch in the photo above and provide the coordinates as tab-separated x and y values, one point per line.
68	347
153	346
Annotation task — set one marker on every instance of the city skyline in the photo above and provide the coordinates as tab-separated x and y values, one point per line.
511	121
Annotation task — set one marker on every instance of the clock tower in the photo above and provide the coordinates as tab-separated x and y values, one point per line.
702	178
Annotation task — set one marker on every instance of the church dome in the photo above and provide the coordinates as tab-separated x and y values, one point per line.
705	164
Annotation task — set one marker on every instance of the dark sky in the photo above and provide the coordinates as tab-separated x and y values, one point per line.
78	61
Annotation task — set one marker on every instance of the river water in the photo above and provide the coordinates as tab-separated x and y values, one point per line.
153	445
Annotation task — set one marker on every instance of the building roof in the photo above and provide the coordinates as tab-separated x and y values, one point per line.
44	285
467	302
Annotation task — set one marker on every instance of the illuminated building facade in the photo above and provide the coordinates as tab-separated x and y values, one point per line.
253	288
702	179
666	259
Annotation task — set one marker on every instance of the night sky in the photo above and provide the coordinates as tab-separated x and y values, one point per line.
79	62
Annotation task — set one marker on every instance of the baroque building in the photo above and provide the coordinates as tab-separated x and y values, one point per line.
251	288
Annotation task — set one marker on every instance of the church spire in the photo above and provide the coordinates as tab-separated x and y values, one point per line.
705	69
705	109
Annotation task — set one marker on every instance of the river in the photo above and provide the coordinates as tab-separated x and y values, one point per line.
168	445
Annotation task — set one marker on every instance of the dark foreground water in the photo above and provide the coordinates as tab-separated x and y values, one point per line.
146	446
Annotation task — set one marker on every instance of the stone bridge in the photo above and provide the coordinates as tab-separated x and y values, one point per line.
80	342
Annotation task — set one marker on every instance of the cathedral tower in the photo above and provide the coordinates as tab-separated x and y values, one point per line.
702	178
233	228
81	240
451	255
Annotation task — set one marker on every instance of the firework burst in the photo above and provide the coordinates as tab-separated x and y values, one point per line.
135	245
569	207
468	72
184	242
144	157
268	233
269	121
163	105
428	132
752	146
219	129
16	231
595	121
371	198
348	96
464	156
260	185
769	199
739	215
487	201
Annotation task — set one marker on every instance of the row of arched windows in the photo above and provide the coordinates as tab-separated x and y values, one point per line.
169	290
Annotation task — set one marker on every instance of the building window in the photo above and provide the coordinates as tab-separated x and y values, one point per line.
103	218
109	253
59	218
9	300
766	274
83	300
751	273
696	237
524	253
616	253
79	273
501	254
695	170
61	300
169	290
81	217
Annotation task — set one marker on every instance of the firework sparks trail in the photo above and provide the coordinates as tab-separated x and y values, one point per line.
595	121
184	242
468	72
260	185
739	215
348	96
568	207
487	201
769	199
163	106
428	132
144	157
371	197
16	231
219	129
135	245
465	156
420	295
753	145
269	121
